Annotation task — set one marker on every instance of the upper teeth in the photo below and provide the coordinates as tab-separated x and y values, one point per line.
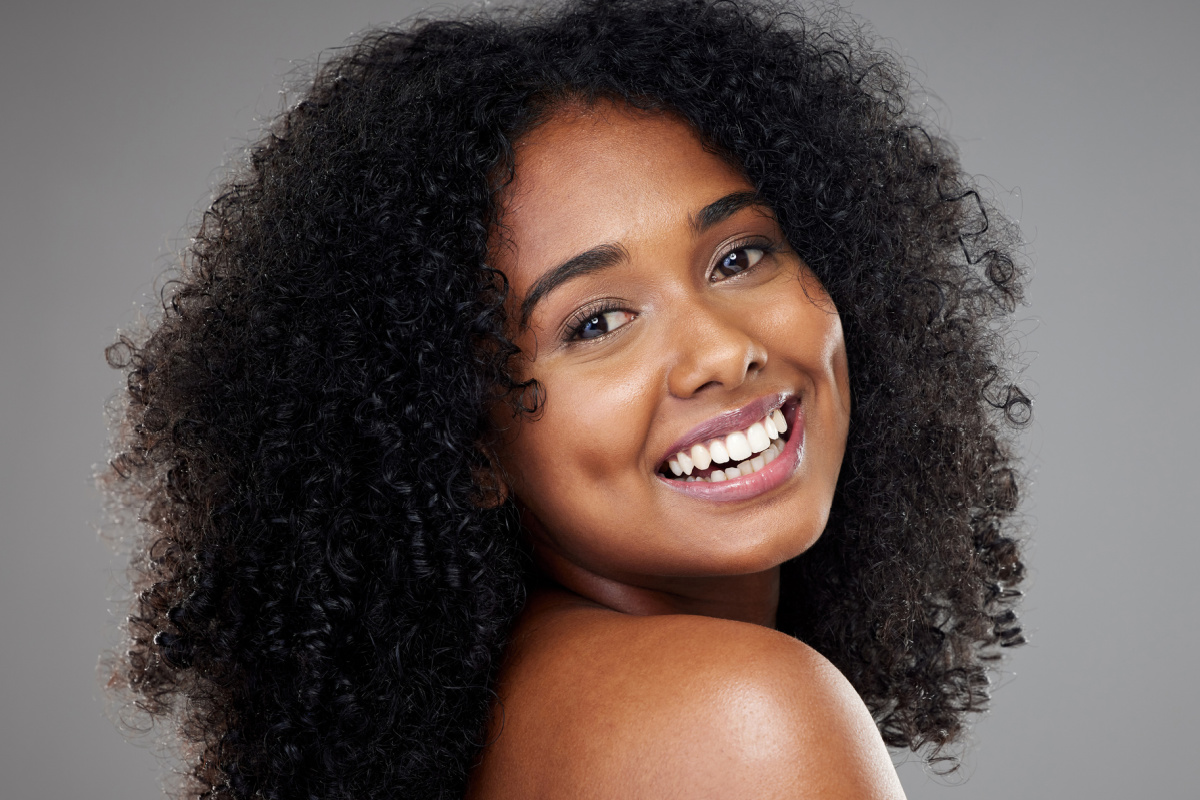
737	446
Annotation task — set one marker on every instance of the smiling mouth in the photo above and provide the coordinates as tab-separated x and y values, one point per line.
734	455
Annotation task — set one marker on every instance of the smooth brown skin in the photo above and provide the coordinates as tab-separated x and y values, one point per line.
646	664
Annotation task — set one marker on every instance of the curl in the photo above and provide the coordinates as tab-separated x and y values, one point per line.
322	590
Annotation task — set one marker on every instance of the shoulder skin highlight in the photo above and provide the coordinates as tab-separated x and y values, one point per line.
599	704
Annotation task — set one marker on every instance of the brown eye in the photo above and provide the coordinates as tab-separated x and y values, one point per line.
735	261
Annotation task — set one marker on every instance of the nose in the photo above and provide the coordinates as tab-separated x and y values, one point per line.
712	349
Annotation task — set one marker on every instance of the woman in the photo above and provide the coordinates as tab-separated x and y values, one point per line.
601	401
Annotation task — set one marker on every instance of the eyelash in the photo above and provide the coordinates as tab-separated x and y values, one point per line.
585	315
766	246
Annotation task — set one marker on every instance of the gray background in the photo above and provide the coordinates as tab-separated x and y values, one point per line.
1081	115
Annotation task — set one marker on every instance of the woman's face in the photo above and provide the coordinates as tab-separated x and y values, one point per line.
666	314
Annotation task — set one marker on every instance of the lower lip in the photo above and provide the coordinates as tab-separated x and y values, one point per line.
756	483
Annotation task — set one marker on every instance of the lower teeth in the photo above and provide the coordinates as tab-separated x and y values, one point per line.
748	467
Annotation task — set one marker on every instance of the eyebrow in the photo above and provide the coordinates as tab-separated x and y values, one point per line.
608	255
724	208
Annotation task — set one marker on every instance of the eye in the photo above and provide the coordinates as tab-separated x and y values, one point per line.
737	260
598	323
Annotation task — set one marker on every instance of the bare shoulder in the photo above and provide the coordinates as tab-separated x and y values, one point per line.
600	704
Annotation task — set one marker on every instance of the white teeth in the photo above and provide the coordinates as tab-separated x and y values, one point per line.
738	446
756	435
739	470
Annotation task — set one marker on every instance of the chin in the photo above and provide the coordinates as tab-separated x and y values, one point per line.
782	552
731	556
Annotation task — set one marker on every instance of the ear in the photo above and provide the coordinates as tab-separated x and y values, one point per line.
493	489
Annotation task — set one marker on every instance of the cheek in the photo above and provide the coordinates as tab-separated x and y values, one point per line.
586	440
805	331
804	328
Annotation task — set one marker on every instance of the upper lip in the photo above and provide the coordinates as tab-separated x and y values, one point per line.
727	422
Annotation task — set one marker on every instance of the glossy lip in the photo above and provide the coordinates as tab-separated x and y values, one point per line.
766	479
725	424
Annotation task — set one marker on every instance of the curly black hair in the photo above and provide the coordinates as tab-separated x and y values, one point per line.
323	588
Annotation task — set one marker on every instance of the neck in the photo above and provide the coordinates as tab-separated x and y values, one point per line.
752	598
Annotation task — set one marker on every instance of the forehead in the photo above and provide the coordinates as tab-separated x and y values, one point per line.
603	174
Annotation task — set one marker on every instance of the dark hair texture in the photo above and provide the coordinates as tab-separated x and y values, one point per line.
322	589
